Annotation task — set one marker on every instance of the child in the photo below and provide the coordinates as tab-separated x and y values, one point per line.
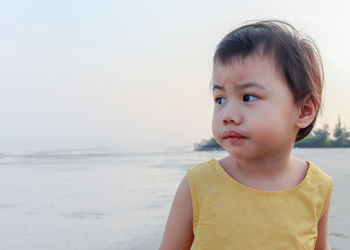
267	87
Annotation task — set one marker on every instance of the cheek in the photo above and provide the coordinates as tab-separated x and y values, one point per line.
215	126
266	123
271	126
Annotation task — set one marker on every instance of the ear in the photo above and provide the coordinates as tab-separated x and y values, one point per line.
307	110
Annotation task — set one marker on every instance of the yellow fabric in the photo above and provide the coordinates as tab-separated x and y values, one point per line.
230	215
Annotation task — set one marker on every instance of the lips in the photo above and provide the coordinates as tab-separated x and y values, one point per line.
232	134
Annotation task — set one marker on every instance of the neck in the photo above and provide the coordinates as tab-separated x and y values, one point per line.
265	167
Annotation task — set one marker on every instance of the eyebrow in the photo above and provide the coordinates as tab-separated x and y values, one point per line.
240	86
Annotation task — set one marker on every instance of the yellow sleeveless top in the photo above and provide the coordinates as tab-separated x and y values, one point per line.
230	215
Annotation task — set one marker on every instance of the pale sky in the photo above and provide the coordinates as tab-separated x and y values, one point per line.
134	75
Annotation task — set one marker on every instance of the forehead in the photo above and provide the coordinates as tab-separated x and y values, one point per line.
252	71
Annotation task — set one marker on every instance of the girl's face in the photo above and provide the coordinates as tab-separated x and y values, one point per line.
252	99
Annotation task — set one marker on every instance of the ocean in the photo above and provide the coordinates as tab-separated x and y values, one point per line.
106	200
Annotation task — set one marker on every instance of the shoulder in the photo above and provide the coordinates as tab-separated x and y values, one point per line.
198	174
188	189
201	168
203	164
320	175
322	183
201	175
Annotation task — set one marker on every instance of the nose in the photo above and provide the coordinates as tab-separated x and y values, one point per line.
232	114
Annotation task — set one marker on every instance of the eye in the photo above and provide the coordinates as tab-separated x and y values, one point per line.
249	98
220	100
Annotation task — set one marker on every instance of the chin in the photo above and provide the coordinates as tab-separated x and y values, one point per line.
237	155
241	154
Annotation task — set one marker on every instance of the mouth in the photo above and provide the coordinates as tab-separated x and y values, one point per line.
233	136
230	134
234	139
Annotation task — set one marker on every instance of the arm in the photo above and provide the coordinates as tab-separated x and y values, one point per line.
179	230
322	228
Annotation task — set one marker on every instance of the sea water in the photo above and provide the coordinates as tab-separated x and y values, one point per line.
90	199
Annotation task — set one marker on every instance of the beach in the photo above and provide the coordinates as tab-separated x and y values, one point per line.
85	199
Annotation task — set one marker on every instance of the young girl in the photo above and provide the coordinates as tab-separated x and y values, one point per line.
267	87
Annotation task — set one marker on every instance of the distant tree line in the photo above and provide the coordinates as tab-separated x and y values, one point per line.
318	138
208	145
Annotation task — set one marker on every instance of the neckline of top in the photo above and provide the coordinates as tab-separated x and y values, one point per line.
258	191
